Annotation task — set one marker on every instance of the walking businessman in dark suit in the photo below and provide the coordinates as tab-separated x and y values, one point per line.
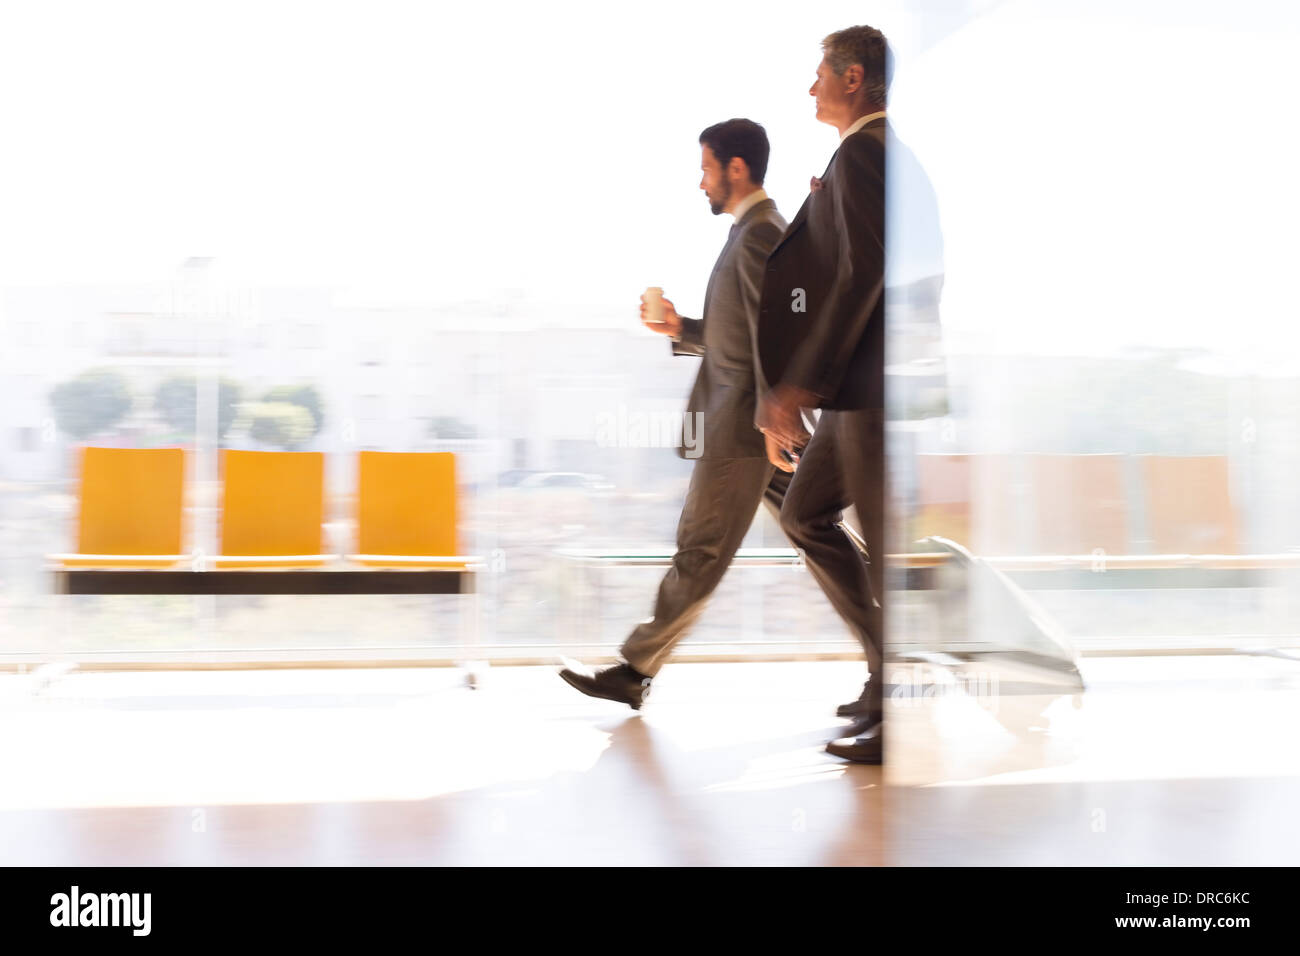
821	344
732	474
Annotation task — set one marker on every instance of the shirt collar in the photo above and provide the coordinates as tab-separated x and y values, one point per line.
859	123
748	203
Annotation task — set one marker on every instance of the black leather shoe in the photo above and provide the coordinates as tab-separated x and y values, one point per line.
860	707
619	682
865	749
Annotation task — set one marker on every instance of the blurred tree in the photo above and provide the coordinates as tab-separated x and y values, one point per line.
175	399
90	403
283	424
304	396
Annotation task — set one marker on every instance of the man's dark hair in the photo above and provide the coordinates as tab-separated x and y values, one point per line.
739	137
867	47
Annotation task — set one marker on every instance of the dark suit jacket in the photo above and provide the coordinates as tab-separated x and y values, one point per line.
726	386
821	320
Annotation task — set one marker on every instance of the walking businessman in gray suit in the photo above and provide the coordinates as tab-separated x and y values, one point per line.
733	474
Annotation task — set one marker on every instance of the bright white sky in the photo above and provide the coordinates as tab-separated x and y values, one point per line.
1104	179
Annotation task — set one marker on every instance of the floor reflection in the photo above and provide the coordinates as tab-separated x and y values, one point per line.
1161	761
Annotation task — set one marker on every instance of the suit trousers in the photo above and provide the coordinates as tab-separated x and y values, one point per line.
723	496
844	464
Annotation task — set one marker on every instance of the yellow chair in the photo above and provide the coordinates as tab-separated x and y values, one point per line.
130	508
1080	504
272	509
1189	502
406	510
976	500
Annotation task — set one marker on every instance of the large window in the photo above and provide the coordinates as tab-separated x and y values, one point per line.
434	240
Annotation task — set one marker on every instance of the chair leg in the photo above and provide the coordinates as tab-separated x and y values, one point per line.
471	623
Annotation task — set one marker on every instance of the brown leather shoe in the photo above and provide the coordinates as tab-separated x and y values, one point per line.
618	682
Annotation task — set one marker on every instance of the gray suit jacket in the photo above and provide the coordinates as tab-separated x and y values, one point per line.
729	381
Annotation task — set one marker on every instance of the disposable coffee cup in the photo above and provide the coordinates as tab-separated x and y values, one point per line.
654	305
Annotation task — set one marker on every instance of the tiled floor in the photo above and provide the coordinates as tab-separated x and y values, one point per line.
1163	760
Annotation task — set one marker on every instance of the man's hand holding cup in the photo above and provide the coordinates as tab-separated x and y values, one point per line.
658	313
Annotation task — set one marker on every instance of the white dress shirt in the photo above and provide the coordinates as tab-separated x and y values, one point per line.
748	203
859	123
